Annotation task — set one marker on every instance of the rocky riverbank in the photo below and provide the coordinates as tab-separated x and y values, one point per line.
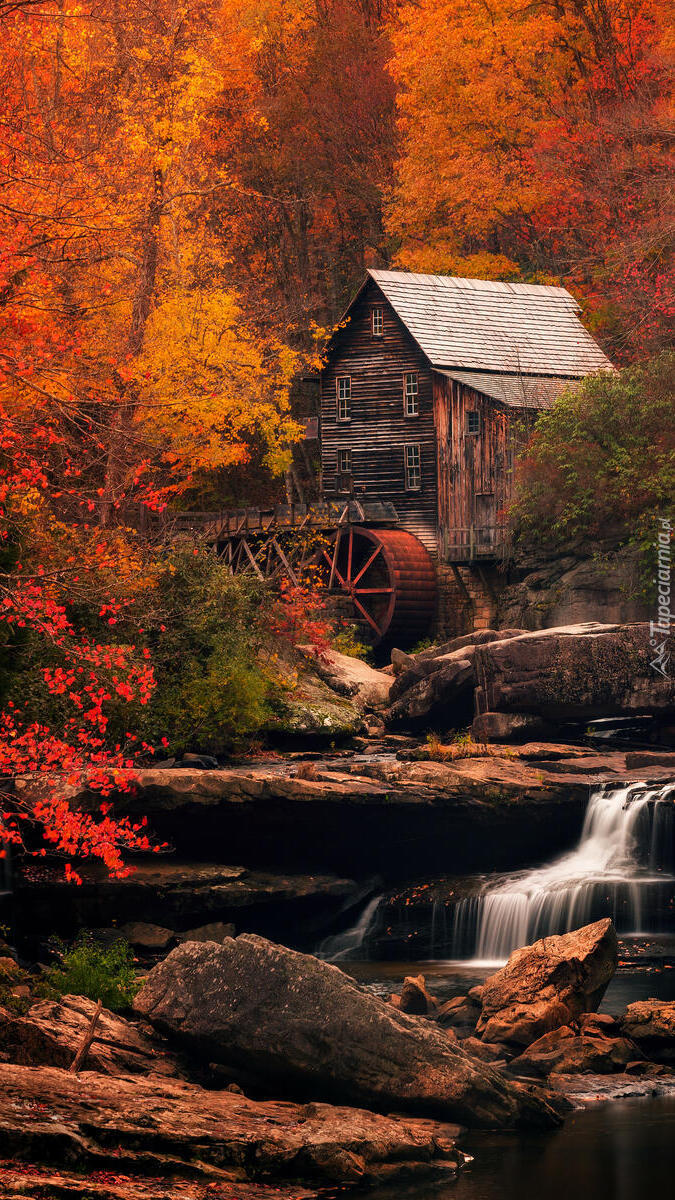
308	841
250	1070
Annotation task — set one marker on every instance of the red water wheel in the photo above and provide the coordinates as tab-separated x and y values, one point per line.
389	577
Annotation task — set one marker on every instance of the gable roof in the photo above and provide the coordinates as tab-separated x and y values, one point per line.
516	391
513	328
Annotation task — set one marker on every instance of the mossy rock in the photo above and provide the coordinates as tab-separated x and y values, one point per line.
315	711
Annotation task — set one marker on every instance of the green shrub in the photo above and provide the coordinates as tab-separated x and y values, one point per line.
94	969
425	643
213	658
601	462
347	641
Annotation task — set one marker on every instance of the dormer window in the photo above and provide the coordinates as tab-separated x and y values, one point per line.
344	397
378	322
411	399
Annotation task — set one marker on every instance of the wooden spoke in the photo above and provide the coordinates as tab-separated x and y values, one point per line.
383	591
333	561
369	563
349	554
333	567
367	615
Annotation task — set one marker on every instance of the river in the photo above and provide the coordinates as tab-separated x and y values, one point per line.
614	1151
624	867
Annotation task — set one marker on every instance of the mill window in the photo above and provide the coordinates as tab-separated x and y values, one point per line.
344	398
344	461
413	468
411	400
378	322
472	422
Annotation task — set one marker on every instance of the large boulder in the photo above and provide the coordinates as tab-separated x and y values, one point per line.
651	1024
437	685
445	692
411	668
294	1025
352	677
575	672
548	984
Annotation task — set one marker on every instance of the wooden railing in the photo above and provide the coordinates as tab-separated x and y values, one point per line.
236	522
474	542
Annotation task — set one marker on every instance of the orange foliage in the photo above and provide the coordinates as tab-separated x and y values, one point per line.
536	136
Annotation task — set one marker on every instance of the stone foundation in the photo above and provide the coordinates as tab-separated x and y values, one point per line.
468	597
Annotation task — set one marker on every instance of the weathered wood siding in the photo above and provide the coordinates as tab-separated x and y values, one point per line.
475	470
378	430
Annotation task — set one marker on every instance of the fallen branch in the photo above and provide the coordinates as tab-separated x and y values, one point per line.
85	1044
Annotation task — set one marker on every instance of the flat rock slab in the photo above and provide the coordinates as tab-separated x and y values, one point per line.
292	1024
51	1032
583	1090
18	1179
164	1127
370	816
176	897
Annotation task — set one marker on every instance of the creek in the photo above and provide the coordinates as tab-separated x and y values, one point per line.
624	867
617	1151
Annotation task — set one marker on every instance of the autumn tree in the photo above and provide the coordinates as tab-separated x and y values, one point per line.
302	130
104	112
535	144
125	366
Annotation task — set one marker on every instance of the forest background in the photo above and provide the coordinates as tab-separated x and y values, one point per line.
189	196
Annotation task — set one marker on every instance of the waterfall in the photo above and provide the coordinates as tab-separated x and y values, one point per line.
622	867
349	942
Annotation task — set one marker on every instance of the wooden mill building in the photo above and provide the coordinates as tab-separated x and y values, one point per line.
428	386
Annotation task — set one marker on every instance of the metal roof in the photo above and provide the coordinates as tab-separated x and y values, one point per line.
513	328
518	391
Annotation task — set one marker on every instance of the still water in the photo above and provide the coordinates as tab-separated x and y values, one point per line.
447	979
619	1151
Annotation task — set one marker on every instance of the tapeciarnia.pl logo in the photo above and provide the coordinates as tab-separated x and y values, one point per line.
659	630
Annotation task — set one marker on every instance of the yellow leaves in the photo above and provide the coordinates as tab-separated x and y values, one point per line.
475	87
208	385
442	258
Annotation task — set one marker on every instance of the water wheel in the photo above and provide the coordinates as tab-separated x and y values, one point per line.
389	577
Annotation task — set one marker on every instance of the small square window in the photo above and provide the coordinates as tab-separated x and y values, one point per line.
411	400
344	398
413	468
378	322
344	461
472	422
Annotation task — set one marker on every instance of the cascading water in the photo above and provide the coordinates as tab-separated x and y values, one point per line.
623	867
349	942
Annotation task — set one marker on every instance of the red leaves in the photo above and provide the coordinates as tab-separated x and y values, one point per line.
297	618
